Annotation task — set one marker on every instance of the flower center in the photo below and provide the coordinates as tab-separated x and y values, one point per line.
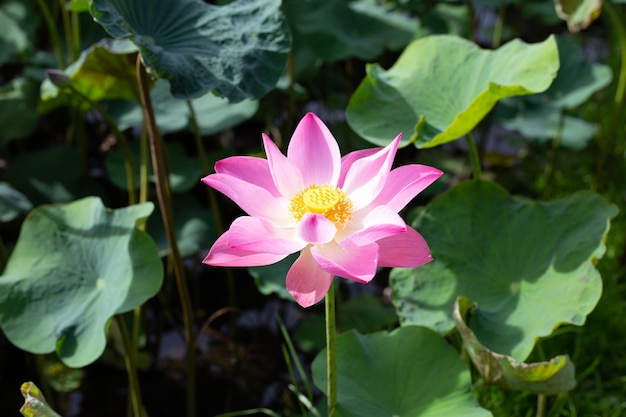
330	202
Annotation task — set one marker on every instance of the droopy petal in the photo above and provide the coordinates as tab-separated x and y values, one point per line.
254	234
315	228
349	159
286	175
379	223
306	282
314	150
253	199
404	250
249	169
404	183
223	255
357	263
367	176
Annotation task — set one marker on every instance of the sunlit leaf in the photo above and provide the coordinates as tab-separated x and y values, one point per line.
442	86
409	372
550	377
238	50
104	71
74	267
78	5
578	14
35	404
513	257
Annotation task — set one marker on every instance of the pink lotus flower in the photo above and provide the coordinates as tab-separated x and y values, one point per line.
341	214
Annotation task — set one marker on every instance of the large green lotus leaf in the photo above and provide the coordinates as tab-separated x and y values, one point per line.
214	114
442	86
18	109
75	266
12	203
339	29
549	377
35	405
51	175
528	265
183	170
409	372
105	71
543	124
19	21
194	225
578	14
238	50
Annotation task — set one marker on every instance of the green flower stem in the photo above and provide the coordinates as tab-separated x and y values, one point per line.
541	405
143	166
620	92
474	157
128	158
165	203
331	352
54	36
131	368
67	28
217	215
75	23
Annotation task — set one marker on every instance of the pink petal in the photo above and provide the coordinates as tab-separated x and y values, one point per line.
367	176
249	169
221	254
349	159
253	199
315	228
314	150
405	250
357	263
286	175
404	183
379	223
306	281
257	235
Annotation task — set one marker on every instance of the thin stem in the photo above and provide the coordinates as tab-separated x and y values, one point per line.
67	28
75	23
620	92
131	368
143	166
331	352
165	203
497	29
54	36
119	135
541	405
474	157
